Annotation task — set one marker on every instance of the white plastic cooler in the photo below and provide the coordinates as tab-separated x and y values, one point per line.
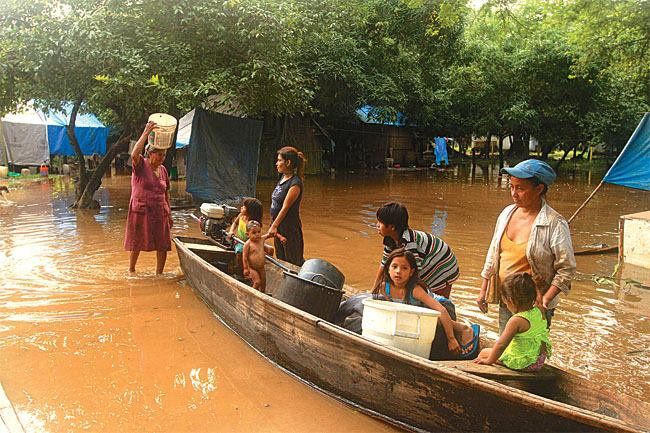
405	327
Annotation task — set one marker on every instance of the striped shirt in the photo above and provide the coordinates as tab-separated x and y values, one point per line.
437	264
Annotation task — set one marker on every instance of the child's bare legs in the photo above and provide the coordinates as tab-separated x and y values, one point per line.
239	264
262	287
464	334
255	278
133	259
161	258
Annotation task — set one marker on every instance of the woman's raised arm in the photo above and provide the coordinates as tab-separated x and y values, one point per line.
136	153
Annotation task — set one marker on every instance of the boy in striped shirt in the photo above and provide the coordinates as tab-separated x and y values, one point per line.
437	264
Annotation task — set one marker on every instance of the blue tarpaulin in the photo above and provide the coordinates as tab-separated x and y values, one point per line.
370	114
632	167
440	146
90	132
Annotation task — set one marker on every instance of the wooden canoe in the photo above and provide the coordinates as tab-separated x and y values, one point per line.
597	250
399	387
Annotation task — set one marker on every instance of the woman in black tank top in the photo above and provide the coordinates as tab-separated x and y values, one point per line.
286	227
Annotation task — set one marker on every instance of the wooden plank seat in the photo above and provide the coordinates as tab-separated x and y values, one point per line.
499	372
205	247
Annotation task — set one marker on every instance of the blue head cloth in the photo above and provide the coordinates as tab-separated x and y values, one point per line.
532	168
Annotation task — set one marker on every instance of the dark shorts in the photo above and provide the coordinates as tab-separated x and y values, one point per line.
439	348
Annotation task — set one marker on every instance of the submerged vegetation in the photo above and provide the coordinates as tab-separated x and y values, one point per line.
570	73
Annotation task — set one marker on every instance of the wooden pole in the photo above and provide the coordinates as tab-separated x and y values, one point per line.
586	201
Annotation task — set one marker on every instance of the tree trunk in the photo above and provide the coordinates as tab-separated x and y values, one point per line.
85	199
500	152
488	146
546	149
83	174
566	152
582	154
518	147
526	145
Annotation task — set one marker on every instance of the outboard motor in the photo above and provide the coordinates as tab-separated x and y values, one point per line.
215	218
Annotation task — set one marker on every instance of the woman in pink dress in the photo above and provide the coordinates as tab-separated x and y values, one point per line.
149	222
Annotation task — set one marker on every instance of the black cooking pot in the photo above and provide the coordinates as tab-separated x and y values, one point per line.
316	289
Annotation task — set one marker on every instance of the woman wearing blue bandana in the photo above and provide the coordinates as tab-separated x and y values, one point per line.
530	236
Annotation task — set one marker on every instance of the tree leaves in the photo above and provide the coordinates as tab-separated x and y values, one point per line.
563	71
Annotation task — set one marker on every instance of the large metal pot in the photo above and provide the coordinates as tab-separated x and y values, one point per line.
317	289
323	272
314	298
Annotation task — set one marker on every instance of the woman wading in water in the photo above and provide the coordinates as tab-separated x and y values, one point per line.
149	222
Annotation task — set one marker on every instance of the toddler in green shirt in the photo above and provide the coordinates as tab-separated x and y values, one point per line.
524	343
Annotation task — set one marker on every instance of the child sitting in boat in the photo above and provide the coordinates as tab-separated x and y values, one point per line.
437	264
524	343
254	255
251	209
400	282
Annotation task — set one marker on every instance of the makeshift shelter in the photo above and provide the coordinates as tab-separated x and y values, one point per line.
370	114
25	138
384	140
184	130
222	155
90	132
183	134
31	136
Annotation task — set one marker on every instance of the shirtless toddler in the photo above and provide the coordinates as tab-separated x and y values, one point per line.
253	255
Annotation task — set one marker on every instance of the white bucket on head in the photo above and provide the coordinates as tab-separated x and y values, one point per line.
163	134
405	327
65	168
4	171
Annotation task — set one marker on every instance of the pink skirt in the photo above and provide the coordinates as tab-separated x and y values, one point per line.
147	227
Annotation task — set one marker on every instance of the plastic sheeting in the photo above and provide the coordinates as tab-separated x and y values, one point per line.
90	132
222	157
25	136
440	146
370	114
184	130
632	167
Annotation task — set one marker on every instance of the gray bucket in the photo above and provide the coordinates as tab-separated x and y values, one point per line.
322	272
310	296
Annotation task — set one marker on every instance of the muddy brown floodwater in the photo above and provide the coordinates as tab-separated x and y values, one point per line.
85	346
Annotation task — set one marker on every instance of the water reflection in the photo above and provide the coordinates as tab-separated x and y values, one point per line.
86	345
439	223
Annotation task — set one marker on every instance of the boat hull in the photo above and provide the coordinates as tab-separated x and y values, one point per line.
403	388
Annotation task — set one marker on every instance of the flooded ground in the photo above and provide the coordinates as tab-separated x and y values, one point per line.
86	346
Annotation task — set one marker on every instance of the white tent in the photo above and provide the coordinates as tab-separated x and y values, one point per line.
184	130
25	138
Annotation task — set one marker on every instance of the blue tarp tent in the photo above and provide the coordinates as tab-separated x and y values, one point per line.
90	132
370	114
632	167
